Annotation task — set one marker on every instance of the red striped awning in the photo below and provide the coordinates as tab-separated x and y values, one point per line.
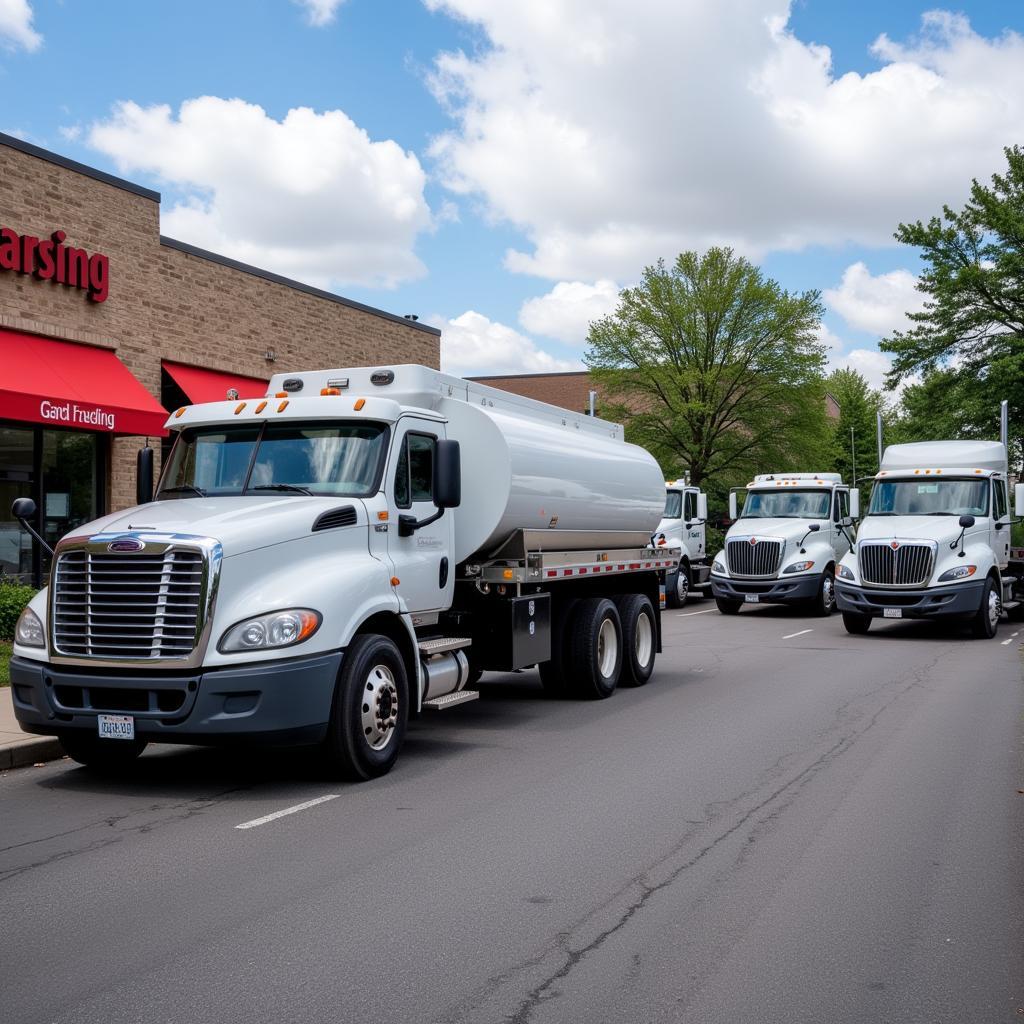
202	385
64	384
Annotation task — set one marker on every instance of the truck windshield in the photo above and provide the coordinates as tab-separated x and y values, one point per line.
313	458
787	504
673	505
949	497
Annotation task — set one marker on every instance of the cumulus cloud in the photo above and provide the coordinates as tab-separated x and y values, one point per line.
16	31
567	311
320	12
310	196
879	303
612	132
472	344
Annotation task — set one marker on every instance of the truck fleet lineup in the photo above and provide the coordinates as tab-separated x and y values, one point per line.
358	546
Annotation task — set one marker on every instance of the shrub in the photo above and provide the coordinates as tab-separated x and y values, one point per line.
13	598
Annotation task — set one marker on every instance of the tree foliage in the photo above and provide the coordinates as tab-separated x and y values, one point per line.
854	435
714	369
967	344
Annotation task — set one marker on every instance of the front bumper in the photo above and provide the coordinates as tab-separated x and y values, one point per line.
927	603
784	590
285	701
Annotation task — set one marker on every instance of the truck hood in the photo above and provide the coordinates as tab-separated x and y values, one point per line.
242	523
934	528
784	529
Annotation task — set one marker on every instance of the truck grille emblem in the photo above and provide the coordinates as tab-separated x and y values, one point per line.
126	544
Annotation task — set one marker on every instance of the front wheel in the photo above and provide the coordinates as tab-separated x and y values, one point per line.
856	623
727	606
677	588
104	755
824	604
370	710
986	620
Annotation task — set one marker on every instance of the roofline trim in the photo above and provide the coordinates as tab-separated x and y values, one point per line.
267	275
73	165
528	376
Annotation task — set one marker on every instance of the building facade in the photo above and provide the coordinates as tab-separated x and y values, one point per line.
105	326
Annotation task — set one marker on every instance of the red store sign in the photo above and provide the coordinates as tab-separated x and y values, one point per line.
49	259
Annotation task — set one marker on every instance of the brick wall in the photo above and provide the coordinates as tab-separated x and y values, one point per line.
166	303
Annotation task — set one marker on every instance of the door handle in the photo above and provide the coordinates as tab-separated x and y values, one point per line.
442	574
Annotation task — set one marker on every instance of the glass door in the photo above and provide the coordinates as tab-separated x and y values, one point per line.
17	461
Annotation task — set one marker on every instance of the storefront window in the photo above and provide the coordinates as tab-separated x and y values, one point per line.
62	471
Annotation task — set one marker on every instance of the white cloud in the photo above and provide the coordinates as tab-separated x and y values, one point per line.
311	196
320	12
16	29
612	132
871	364
878	304
567	310
472	344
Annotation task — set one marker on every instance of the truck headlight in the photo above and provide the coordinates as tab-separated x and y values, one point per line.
961	572
275	629
718	567
29	630
845	572
798	567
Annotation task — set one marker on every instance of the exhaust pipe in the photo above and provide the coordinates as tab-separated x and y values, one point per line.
878	431
1004	424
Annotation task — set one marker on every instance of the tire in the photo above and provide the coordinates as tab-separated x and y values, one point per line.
824	604
985	623
639	639
552	673
370	711
103	755
727	606
677	586
856	623
595	649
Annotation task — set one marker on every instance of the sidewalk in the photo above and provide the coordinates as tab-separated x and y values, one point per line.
18	748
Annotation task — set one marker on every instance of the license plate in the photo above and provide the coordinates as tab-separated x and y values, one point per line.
751	598
117	727
892	613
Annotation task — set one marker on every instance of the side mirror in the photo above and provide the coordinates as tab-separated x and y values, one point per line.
1018	500
813	527
966	522
855	503
447	475
847	523
23	508
702	506
144	476
732	505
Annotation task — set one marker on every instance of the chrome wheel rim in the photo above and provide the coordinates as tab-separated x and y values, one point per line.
607	648
994	608
644	640
682	585
380	707
828	592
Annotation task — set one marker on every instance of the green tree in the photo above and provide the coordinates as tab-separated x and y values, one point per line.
714	369
854	435
967	344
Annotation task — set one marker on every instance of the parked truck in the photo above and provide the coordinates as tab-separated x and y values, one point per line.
784	546
681	534
935	543
355	547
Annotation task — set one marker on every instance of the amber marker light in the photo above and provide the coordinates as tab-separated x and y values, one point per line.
239	407
360	402
507	574
329	391
382	516
281	394
179	413
395	581
261	407
283	406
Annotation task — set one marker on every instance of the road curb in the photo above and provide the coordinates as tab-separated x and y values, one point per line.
31	750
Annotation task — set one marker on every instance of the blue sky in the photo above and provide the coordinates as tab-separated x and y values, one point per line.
503	169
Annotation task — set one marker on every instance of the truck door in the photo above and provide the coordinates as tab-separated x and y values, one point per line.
840	510
422	560
693	539
1000	523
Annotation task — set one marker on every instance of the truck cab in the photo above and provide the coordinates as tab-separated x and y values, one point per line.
783	548
681	533
935	542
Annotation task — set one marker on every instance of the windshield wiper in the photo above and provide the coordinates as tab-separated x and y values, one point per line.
183	489
297	488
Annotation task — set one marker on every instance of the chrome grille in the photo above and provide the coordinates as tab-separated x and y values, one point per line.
120	605
761	558
907	565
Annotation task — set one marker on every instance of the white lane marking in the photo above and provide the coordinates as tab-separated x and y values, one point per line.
1010	641
801	633
703	611
288	810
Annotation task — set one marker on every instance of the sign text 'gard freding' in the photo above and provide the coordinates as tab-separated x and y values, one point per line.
49	259
75	415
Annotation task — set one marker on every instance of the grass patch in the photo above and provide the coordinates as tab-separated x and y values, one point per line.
5	663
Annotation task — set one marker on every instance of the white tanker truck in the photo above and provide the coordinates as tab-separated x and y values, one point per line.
356	546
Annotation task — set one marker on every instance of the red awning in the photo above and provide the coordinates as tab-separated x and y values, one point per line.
212	385
62	384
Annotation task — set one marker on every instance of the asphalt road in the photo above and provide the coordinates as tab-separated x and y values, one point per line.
786	824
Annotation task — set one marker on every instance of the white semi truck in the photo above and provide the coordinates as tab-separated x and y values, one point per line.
785	545
935	543
357	546
681	534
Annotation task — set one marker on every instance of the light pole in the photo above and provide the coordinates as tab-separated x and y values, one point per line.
853	455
